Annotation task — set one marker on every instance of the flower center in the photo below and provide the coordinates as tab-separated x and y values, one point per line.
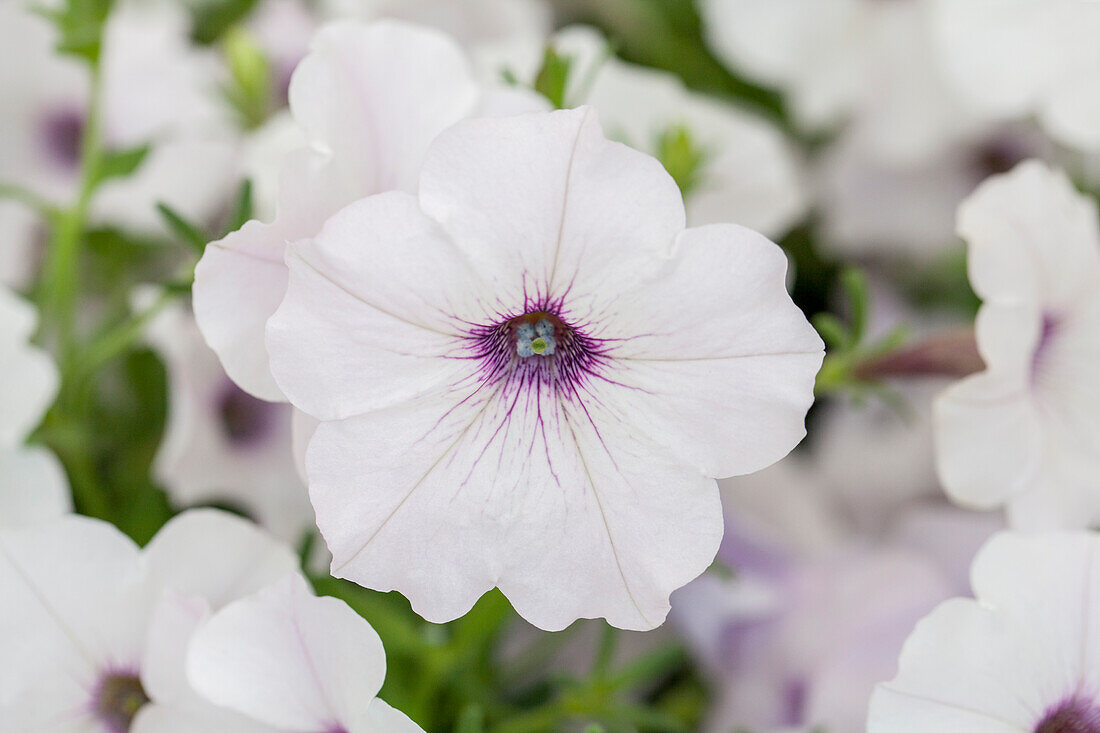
118	700
537	349
1075	715
537	339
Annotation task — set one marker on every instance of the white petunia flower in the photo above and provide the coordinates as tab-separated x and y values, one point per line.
95	630
576	479
1024	433
472	23
33	487
730	164
866	63
1018	659
1027	57
28	376
157	90
221	443
370	98
295	662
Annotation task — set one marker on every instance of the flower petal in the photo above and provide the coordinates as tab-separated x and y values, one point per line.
30	377
1032	238
33	487
375	305
592	215
569	513
215	555
376	95
727	375
288	658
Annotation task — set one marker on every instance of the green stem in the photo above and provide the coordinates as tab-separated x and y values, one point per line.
59	284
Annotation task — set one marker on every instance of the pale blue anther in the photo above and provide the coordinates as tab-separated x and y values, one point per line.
537	340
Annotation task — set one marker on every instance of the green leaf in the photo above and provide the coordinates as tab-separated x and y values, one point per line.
553	77
212	19
471	720
80	27
182	228
121	163
854	284
681	157
251	81
242	212
834	332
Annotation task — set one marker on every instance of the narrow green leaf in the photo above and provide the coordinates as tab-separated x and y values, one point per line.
553	77
182	228
835	333
121	163
854	284
242	212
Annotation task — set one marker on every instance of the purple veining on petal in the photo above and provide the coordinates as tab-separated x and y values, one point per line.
577	357
62	131
245	419
1075	714
1048	332
116	699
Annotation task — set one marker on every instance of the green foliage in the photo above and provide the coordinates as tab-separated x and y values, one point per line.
80	27
681	157
120	163
211	19
251	85
553	78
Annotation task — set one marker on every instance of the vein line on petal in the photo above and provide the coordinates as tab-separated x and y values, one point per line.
603	516
415	486
565	201
953	706
367	303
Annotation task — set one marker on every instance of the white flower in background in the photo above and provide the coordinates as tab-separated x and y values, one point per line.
28	376
221	444
370	99
1024	433
33	487
1018	659
868	63
730	164
874	208
96	630
528	374
295	662
473	23
834	629
1027	57
156	90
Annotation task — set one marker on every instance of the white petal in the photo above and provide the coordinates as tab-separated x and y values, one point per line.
571	515
215	555
375	303
29	378
33	487
70	600
998	663
1072	113
1031	237
376	95
163	666
288	658
160	718
241	279
592	215
988	440
381	718
721	361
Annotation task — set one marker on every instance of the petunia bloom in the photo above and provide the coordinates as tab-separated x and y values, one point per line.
1017	659
295	662
95	630
369	98
1025	433
528	374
